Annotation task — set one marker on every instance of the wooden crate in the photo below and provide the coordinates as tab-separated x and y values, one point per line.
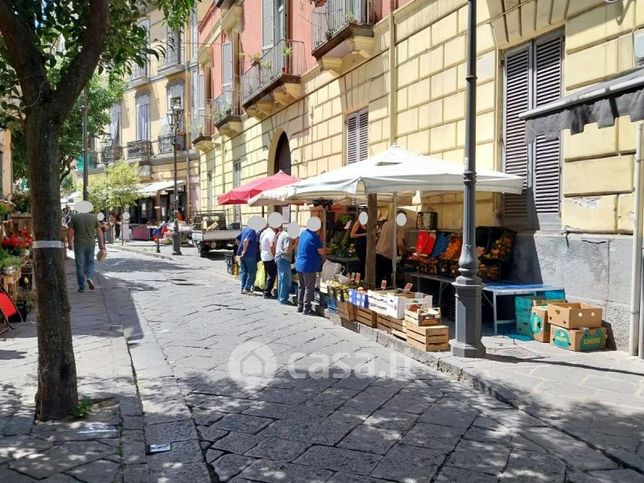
388	324
423	317
365	316
399	334
432	338
346	311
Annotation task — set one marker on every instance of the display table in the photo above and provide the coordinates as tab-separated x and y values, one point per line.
493	290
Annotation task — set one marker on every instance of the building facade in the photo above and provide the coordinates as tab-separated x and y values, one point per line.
140	131
6	162
308	87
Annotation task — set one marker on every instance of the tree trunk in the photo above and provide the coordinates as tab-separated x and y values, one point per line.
57	392
372	233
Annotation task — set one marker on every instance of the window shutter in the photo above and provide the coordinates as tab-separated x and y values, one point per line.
268	25
352	138
363	118
227	64
516	101
547	153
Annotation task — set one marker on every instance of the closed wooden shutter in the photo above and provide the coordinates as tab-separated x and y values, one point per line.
227	64
516	101
547	153
352	138
363	120
268	23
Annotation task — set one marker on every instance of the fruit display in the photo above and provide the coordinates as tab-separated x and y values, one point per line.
490	272
501	248
453	250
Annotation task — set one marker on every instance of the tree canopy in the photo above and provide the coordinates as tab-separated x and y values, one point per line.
116	188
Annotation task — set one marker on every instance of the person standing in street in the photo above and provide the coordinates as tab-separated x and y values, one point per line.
248	255
283	258
84	228
268	243
308	263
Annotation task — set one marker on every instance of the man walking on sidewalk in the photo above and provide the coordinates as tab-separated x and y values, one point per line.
268	242
83	229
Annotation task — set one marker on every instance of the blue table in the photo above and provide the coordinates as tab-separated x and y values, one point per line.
493	290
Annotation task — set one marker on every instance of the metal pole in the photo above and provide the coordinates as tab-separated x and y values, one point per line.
394	260
468	285
85	143
176	236
636	280
188	197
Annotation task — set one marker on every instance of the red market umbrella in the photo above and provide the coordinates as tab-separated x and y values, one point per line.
243	193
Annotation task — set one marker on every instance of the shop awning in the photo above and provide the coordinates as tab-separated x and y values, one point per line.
601	103
398	171
151	189
243	193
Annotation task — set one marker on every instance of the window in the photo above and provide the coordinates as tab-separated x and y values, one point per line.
115	125
358	136
226	65
194	34
143	117
533	77
173	47
274	22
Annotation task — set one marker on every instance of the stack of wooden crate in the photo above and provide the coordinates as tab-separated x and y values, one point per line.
424	330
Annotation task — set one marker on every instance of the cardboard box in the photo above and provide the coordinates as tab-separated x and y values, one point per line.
423	316
578	340
378	300
539	325
359	299
396	302
574	315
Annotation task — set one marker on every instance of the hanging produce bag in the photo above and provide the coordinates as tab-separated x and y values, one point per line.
260	278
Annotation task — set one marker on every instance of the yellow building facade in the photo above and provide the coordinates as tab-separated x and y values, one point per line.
408	75
6	162
140	131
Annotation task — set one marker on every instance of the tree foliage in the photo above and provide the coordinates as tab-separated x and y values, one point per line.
103	94
115	189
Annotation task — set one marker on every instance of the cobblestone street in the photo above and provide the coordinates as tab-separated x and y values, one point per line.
335	407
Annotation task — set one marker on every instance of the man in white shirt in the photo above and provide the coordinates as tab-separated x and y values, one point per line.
267	243
283	258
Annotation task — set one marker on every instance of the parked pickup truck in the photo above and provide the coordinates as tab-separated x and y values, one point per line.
211	232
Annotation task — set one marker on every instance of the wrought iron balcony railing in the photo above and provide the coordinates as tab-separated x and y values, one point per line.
111	154
227	104
165	143
332	17
139	72
139	149
171	58
201	127
286	58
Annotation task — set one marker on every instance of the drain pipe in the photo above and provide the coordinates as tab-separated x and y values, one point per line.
637	316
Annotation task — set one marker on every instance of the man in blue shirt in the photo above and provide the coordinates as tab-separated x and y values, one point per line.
248	251
308	262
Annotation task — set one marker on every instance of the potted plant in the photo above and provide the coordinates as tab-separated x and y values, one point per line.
287	51
349	17
10	264
329	34
266	64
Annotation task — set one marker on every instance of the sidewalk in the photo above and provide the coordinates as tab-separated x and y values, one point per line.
106	446
595	397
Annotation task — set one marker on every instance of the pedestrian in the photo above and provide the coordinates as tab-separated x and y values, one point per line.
84	228
384	249
359	237
248	252
268	243
308	263
284	258
117	226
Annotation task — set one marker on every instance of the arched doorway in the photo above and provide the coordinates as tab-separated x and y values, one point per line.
282	155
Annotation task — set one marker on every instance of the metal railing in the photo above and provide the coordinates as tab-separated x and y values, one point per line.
139	72
139	149
286	57
201	126
111	154
166	143
334	15
227	104
171	57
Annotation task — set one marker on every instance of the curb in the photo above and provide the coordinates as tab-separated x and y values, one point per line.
457	372
141	252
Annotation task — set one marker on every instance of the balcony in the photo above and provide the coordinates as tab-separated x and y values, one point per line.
231	19
226	114
171	62
165	144
111	154
139	150
201	132
341	28
274	79
140	76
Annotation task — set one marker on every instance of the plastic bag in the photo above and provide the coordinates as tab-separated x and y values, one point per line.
260	278
425	243
101	255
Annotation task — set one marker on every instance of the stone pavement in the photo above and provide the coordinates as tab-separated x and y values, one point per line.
106	446
270	395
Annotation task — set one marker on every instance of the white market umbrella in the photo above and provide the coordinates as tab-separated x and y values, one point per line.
398	171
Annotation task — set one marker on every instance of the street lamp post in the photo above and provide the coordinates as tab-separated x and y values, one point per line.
468	284
106	145
174	119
